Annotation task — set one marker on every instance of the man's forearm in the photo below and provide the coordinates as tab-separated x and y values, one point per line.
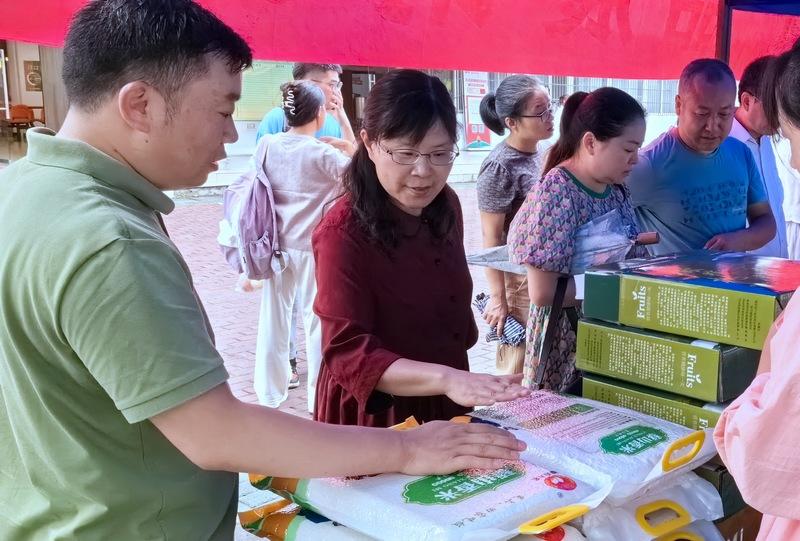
761	231
219	432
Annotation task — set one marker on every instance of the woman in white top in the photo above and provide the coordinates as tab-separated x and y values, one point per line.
304	173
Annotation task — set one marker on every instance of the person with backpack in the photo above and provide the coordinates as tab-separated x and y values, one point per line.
394	288
303	173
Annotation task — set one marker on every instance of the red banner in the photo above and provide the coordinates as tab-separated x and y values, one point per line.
637	39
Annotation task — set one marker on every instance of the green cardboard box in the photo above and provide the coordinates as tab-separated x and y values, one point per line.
715	472
671	407
730	298
695	368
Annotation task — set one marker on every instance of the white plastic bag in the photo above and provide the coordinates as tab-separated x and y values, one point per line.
466	506
606	239
600	443
655	514
699	531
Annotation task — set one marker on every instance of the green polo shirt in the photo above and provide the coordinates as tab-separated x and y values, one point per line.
100	329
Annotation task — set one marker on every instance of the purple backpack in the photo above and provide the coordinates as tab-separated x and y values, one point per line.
248	231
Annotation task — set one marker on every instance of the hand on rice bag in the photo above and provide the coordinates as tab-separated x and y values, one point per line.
442	447
469	389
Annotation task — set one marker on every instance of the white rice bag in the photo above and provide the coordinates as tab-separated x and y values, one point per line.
699	531
598	442
657	513
483	505
564	532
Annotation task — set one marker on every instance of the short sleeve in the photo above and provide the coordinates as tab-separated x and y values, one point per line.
351	351
132	318
639	181
335	162
496	189
756	190
543	231
273	122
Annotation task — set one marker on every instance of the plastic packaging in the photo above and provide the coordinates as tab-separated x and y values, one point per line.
600	443
655	514
699	531
470	505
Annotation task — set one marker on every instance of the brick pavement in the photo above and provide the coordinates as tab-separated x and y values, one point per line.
234	316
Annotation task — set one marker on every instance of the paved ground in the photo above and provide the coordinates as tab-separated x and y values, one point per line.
234	316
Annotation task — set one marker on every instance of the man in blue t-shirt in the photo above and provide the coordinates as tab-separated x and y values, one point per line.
694	185
337	130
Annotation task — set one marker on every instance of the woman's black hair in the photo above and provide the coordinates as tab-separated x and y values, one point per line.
402	104
605	112
780	88
301	102
508	101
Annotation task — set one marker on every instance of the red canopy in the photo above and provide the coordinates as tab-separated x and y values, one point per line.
637	39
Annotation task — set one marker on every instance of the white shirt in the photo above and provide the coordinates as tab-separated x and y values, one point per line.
304	174
765	160
790	178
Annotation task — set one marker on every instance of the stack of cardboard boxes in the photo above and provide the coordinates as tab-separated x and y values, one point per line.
678	337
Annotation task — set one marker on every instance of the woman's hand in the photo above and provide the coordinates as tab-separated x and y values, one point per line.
468	389
496	312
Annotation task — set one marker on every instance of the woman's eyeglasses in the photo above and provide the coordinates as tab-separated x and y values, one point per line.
408	156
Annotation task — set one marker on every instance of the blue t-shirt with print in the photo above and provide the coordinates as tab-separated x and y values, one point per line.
275	122
688	197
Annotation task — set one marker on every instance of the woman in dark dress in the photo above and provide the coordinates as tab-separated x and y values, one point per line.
393	285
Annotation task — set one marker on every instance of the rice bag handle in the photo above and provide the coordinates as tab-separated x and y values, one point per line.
553	519
656	530
648	237
681	536
552	328
695	439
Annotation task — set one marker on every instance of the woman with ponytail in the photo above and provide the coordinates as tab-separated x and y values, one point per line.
393	284
522	106
304	174
601	133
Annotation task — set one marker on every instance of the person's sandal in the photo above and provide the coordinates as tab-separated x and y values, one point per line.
294	381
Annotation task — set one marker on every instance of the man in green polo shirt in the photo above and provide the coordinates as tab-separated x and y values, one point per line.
116	421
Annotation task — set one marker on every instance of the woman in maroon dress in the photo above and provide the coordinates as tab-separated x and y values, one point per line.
393	285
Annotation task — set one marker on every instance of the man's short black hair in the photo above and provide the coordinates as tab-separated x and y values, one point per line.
301	69
753	75
162	42
710	70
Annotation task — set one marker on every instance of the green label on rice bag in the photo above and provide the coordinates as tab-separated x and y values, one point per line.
450	489
632	440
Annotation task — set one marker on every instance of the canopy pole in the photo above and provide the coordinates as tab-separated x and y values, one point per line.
724	23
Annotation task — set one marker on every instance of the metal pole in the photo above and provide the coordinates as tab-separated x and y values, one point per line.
724	23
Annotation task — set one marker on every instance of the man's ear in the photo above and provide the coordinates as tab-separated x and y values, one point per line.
139	105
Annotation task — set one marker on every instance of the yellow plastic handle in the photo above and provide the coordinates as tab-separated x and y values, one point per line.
461	419
555	518
681	536
697	439
681	519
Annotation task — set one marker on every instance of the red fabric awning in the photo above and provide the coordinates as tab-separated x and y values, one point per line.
637	39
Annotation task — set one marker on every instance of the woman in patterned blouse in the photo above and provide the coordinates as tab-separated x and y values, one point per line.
601	133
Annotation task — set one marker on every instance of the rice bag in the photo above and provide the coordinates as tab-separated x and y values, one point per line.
656	513
600	443
483	505
699	531
560	533
287	521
